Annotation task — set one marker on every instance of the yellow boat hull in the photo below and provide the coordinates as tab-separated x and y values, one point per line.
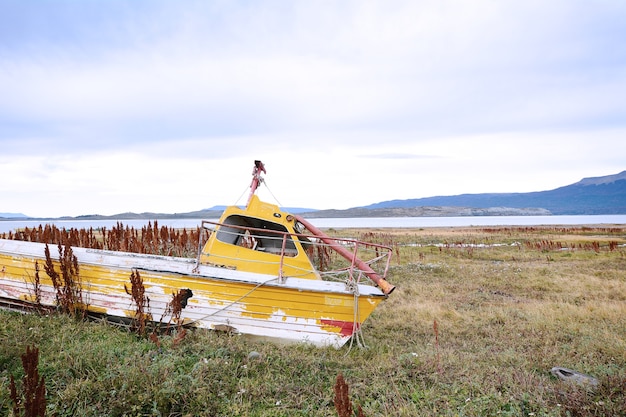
282	308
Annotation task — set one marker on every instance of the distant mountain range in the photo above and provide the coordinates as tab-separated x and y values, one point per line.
12	216
210	213
597	195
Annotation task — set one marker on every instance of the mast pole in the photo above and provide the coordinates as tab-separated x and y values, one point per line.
256	178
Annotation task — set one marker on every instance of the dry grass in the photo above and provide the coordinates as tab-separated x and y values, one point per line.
507	314
508	308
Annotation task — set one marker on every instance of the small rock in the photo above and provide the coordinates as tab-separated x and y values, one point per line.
575	377
254	355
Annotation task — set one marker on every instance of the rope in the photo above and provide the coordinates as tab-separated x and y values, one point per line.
357	334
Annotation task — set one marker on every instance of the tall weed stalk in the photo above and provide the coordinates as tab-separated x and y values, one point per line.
32	400
67	284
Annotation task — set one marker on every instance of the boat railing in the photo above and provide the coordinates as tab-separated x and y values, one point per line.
346	264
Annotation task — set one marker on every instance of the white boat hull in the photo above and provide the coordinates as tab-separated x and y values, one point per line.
289	309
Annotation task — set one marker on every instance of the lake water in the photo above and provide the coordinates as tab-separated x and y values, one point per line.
377	222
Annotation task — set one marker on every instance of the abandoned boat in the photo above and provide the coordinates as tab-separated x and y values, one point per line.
262	272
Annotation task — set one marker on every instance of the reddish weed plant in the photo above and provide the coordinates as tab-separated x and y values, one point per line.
342	399
67	283
138	293
32	400
150	239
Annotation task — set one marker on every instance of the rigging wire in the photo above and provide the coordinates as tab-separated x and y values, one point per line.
241	196
268	189
272	194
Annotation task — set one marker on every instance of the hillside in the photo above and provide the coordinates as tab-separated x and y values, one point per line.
12	216
597	195
426	211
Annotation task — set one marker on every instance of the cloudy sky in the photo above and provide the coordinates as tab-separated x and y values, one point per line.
147	105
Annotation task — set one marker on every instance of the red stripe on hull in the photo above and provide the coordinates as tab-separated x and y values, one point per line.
347	327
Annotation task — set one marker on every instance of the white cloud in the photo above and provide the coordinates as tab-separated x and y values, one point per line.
144	106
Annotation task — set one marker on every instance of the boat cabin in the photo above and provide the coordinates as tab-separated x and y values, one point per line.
258	238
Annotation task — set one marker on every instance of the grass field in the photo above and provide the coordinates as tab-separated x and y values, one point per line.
479	318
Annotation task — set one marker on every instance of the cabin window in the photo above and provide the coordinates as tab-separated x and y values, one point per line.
256	234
